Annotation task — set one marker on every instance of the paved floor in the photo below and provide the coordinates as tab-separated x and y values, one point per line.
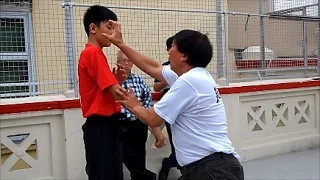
303	165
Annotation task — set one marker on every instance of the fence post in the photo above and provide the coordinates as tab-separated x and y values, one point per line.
219	39
262	39
226	48
70	47
318	40
305	42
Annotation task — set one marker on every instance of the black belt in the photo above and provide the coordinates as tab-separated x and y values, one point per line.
98	119
133	118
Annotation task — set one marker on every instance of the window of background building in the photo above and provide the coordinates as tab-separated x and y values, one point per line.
16	60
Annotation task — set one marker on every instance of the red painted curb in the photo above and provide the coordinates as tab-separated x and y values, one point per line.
75	103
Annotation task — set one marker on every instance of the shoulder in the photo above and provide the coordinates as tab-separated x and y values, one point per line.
166	63
91	52
136	76
197	79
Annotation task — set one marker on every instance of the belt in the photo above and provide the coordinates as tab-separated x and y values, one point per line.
133	118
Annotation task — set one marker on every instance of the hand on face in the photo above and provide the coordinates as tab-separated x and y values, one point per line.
120	73
129	99
116	36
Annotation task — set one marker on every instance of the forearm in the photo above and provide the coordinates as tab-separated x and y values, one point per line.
146	64
158	86
147	116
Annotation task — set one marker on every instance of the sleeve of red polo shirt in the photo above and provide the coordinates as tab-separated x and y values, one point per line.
100	71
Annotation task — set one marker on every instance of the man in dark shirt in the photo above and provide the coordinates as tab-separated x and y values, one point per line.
136	133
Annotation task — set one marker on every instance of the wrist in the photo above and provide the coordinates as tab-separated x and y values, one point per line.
136	109
121	45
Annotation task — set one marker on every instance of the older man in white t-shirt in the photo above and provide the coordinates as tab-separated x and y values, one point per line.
192	106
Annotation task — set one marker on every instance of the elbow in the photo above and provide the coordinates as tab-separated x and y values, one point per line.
156	88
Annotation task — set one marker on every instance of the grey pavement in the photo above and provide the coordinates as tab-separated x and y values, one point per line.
302	165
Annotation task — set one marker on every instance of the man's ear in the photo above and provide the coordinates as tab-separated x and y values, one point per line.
184	57
92	28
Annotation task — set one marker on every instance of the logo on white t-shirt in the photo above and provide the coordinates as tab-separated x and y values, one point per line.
217	94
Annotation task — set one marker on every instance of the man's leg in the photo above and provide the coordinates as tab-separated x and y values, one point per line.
135	151
102	150
171	161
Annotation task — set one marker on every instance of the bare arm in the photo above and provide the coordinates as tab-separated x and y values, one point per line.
112	89
158	86
148	116
146	64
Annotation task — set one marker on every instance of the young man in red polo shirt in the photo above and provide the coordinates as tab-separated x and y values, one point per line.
97	86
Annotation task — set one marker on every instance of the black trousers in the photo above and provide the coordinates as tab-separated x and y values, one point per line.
103	153
172	160
134	149
218	166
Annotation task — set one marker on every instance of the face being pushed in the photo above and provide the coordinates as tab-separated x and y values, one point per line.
104	27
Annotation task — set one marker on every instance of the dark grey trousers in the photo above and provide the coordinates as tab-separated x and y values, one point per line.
218	166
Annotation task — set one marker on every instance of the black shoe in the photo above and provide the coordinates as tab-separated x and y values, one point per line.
147	175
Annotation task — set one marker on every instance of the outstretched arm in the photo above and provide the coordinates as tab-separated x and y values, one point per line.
158	86
146	64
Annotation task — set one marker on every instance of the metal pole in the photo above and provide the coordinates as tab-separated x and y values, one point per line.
318	40
262	45
219	40
71	47
68	44
226	44
305	43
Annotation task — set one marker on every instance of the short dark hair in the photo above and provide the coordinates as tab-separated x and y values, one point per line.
169	42
97	14
195	45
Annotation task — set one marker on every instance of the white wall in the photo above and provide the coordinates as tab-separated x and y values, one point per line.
253	123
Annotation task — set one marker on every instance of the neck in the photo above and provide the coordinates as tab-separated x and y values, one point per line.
184	69
94	42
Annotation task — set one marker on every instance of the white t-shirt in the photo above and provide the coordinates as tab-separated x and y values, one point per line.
196	113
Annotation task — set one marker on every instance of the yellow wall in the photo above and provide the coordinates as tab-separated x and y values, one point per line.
49	43
144	30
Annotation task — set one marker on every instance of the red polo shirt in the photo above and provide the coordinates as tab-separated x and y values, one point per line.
95	77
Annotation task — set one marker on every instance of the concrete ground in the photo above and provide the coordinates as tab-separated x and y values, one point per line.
303	165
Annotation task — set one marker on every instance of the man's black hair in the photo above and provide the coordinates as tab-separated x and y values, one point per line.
97	14
195	45
169	42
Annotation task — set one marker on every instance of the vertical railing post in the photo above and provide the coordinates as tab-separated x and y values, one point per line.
226	47
70	47
219	39
305	42
262	40
318	62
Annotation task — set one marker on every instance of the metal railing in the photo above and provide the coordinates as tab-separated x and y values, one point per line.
252	40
